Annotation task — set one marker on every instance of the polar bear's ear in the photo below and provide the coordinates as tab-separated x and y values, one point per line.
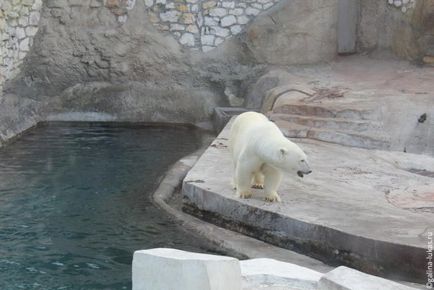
283	152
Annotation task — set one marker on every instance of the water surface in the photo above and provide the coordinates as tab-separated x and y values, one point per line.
75	203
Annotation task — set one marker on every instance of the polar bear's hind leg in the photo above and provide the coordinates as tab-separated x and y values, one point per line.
234	177
243	176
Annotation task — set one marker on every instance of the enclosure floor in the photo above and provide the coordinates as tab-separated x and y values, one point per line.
364	208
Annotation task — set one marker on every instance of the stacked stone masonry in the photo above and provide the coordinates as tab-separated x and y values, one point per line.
204	24
404	5
18	25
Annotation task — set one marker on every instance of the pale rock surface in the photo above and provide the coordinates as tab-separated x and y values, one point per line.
293	32
266	273
343	278
170	269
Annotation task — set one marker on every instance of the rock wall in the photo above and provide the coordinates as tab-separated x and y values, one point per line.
415	37
168	60
405	27
104	60
18	25
404	5
295	32
204	24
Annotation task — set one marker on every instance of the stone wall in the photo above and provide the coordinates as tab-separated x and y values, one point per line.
404	5
204	24
18	25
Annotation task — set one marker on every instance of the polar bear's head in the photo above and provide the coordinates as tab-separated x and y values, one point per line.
293	159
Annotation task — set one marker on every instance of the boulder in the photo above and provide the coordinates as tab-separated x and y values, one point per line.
170	269
295	32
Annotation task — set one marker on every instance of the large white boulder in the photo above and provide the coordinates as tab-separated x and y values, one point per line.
344	278
273	274
170	269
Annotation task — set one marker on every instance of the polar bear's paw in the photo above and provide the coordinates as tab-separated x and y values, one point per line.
258	186
244	194
273	197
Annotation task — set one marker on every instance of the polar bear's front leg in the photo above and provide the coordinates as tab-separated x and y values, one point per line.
271	183
258	180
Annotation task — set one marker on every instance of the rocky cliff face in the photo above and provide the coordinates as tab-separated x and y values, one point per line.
85	60
159	60
110	60
404	27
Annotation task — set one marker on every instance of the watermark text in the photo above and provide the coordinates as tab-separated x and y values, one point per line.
429	273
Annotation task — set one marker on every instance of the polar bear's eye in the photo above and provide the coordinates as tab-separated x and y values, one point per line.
302	160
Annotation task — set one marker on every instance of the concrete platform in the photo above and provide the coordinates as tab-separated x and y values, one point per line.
367	209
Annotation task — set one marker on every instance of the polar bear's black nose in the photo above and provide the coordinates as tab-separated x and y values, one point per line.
302	173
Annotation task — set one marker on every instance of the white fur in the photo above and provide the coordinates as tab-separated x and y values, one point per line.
260	152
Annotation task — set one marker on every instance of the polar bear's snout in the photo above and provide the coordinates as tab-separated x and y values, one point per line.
305	169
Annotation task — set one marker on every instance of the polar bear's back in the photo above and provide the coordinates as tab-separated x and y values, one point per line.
241	128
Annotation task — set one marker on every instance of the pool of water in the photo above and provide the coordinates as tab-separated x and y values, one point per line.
75	203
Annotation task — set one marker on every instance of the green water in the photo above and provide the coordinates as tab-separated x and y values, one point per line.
75	203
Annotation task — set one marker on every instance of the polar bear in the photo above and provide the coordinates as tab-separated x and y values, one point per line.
260	152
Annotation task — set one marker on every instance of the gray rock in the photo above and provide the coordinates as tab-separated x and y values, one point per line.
207	39
257	92
252	11
343	278
264	273
222	115
187	39
312	37
170	16
219	31
219	12
228	21
17	115
242	19
129	71
164	269
57	3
